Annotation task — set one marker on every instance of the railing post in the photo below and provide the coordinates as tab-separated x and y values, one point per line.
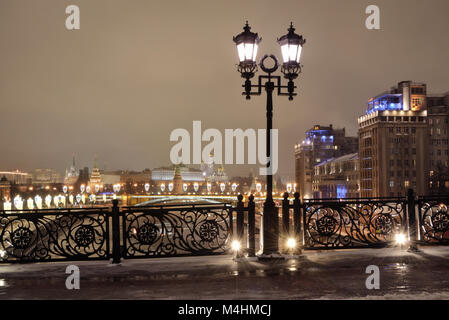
285	223
231	221
411	215
115	232
286	215
240	219
251	227
297	218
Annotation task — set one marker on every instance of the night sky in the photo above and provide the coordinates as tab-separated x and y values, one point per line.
137	69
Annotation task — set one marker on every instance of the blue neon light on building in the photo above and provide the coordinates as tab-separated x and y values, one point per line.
385	102
342	191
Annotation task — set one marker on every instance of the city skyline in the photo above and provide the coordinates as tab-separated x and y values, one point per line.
100	90
207	152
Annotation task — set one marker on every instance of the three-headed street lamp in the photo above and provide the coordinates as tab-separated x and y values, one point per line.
291	44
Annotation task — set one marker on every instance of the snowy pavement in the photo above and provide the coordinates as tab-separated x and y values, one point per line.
327	274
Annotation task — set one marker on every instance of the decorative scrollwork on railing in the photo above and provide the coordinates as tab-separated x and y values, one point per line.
434	221
352	224
47	236
176	231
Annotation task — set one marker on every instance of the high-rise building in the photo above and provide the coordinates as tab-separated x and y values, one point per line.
438	131
402	137
321	144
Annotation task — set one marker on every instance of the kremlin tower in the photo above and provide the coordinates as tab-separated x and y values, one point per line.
177	181
95	177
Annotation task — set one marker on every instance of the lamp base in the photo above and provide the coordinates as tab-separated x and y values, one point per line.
270	257
413	248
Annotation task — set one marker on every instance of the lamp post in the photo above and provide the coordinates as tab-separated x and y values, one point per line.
291	44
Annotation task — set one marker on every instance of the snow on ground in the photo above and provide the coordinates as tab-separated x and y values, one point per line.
324	274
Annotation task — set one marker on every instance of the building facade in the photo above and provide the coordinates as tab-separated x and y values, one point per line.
17	177
402	138
321	144
46	176
5	189
438	131
162	174
337	178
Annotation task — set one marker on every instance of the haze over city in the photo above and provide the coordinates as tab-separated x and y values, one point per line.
136	160
137	70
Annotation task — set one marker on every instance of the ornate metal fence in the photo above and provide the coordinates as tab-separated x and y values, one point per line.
176	230
352	223
434	220
158	231
50	235
102	233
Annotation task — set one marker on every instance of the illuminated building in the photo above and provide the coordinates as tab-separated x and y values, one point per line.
111	177
71	175
438	116
139	177
95	177
177	181
393	142
407	96
337	178
17	177
207	167
168	173
320	144
5	189
218	176
46	176
172	179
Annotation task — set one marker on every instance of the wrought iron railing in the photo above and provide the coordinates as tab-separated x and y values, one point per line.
433	220
352	223
51	235
170	230
176	230
104	233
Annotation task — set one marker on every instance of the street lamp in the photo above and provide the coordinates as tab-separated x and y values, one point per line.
291	45
247	44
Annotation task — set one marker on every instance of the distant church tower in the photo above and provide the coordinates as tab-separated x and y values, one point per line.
71	176
177	181
95	177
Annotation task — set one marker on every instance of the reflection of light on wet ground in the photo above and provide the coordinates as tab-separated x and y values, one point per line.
3	283
260	273
396	266
401	266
